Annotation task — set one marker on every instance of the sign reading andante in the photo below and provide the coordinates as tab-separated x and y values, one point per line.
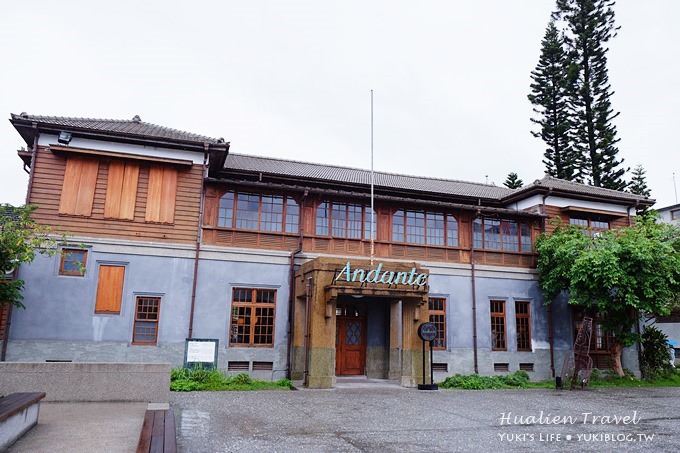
378	276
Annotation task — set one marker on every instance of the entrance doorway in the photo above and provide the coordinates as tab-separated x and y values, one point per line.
350	340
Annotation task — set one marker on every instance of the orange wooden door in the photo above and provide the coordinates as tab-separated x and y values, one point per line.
350	346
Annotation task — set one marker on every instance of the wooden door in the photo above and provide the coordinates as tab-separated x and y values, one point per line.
350	346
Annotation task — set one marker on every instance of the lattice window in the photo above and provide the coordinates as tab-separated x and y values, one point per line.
258	212
523	325
590	226
437	309
498	325
252	317
424	227
501	234
145	330
343	220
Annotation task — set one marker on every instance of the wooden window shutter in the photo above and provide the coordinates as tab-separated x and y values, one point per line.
160	202
110	289
77	192
121	191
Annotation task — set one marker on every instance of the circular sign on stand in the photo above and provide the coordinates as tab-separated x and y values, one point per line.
427	331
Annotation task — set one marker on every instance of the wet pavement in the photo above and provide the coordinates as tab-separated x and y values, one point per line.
386	418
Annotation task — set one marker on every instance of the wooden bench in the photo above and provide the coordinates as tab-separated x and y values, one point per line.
158	432
14	422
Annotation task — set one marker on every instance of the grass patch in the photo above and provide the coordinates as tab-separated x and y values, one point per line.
520	380
195	379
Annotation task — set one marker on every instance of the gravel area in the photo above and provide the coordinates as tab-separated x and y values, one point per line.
397	420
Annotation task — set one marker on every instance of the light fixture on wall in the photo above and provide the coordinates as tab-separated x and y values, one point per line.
64	138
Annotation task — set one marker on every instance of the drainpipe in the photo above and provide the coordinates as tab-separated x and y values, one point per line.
551	331
474	293
199	235
308	290
291	296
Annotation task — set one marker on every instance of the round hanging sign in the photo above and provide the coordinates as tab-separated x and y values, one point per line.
427	331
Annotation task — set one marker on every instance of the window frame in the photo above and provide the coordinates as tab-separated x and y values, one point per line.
441	325
498	315
63	260
480	241
330	226
137	319
409	224
591	226
523	344
252	318
288	217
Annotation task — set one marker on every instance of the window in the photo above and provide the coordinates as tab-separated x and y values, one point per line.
424	227
343	220
501	234
523	325
160	201
121	190
437	307
109	289
675	214
258	212
145	330
591	226
73	262
252	317
498	325
77	192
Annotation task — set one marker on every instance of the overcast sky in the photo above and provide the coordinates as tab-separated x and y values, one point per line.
292	79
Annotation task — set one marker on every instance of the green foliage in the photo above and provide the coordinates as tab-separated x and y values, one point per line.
513	181
655	360
198	378
518	379
21	238
617	273
588	27
549	96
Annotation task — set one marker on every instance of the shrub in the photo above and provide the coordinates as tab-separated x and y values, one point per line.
518	379
655	360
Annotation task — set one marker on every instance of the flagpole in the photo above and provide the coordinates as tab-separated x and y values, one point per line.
372	193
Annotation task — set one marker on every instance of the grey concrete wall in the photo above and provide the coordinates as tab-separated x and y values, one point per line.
88	381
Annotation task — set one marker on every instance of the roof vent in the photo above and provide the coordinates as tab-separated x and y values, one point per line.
136	119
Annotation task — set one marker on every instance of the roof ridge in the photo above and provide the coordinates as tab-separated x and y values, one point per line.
346	167
46	118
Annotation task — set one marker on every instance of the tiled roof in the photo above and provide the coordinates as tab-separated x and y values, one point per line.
562	185
132	127
336	174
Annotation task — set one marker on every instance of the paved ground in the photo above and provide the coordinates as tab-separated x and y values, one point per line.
392	419
84	427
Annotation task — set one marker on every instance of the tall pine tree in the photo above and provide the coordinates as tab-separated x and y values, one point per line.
550	96
513	181
590	25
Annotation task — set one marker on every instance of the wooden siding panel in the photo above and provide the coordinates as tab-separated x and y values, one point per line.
49	171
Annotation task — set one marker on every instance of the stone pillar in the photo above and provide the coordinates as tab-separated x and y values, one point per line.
394	371
414	313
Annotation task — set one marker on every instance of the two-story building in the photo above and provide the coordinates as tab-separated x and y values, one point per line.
293	266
